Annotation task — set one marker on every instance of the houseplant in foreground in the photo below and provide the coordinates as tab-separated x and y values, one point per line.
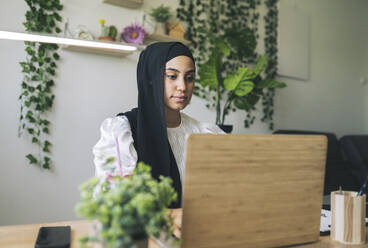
127	209
241	89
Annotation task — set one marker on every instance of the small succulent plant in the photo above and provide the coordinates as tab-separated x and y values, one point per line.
110	31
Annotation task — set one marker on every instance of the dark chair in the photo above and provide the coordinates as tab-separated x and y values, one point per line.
355	148
338	170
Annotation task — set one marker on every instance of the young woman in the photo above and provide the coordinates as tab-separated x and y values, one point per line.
155	132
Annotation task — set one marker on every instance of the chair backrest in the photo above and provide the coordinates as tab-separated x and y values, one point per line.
356	150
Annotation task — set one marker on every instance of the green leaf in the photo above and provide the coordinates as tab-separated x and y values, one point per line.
36	78
261	65
46	163
30	130
29	113
45	122
223	47
30	51
50	83
232	81
242	103
45	130
244	88
56	56
271	83
34	140
208	73
57	17
32	159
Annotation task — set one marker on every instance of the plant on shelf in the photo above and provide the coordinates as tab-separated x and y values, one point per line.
128	209
161	15
107	32
241	89
39	71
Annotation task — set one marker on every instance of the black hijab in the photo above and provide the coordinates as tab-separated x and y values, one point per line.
148	122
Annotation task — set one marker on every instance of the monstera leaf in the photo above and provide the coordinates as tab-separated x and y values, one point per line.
246	102
209	71
244	88
232	81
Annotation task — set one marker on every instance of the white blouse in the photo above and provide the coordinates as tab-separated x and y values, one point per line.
116	135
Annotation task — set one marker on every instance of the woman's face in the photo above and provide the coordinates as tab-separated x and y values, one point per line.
178	82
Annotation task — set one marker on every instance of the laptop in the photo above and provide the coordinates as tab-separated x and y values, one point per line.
252	190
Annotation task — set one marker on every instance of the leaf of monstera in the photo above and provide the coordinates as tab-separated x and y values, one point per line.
244	88
271	83
209	71
261	65
242	103
208	74
246	102
232	81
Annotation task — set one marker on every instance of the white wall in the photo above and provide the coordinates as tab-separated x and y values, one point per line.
332	99
92	87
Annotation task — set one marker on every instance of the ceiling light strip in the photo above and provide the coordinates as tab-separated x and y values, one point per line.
63	41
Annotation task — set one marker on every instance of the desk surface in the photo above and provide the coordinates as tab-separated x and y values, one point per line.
24	236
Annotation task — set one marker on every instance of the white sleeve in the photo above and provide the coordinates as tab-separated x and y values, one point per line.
211	128
112	129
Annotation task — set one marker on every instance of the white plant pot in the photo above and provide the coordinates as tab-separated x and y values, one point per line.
160	28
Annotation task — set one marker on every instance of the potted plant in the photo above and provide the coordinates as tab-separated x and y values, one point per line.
161	15
107	32
241	89
127	209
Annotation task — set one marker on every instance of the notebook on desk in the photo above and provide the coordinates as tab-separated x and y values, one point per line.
252	190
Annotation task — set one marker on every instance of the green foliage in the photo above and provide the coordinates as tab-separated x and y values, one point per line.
160	13
128	208
270	41
39	68
238	85
110	31
236	23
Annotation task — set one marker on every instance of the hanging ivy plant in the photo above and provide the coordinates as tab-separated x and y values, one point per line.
237	22
39	69
270	41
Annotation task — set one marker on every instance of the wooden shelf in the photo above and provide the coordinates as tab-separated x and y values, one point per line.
100	51
132	4
153	37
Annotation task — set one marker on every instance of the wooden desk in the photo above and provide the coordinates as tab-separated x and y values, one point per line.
24	236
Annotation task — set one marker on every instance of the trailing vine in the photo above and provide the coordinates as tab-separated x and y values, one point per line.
270	41
39	69
236	21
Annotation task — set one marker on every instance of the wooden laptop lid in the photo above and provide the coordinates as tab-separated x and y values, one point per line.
252	190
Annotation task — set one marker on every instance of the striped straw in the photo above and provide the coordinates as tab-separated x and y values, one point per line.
118	152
